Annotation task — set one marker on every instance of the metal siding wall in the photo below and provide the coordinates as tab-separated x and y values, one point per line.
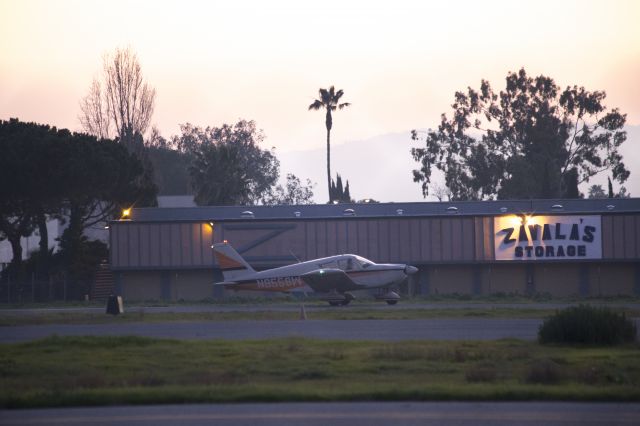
297	236
456	239
364	247
618	237
351	227
123	245
414	234
134	244
196	243
186	245
394	240
446	241
468	240
165	244
404	237
487	235
607	237
436	240
174	247
372	240
425	239
383	247
208	235
145	250
320	246
629	237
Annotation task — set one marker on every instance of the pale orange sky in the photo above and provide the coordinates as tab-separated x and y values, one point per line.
398	62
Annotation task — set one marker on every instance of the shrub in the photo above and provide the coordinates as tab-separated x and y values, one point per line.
587	325
544	372
482	373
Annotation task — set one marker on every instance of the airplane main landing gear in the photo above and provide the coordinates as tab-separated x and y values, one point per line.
391	297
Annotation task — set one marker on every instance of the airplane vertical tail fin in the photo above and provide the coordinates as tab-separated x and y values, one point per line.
230	262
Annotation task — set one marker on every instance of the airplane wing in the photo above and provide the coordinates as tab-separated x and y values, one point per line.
326	280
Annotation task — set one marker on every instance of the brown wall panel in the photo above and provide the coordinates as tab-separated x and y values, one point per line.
363	239
122	236
618	237
351	231
134	243
447	239
145	249
154	245
607	237
468	240
320	245
479	238
404	240
394	240
415	237
448	279
457	241
186	244
373	243
176	258
557	279
165	244
383	227
436	240
425	239
629	237
487	237
208	237
507	278
196	239
613	279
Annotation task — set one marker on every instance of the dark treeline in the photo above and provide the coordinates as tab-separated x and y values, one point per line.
47	172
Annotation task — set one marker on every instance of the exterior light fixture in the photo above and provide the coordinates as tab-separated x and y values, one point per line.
126	213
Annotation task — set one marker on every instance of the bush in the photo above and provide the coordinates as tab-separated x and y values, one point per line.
587	325
543	372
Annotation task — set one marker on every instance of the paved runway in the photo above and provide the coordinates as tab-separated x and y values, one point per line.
294	307
383	330
351	414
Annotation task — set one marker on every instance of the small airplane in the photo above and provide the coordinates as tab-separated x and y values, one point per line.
335	277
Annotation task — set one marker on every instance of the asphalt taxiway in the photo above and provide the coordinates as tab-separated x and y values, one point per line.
341	414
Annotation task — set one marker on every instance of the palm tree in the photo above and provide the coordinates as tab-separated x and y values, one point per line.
329	100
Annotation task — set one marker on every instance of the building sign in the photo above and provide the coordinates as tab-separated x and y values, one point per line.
522	237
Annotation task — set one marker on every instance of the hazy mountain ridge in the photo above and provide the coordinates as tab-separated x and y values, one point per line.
381	167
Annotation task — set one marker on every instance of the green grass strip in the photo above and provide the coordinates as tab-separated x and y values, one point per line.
76	371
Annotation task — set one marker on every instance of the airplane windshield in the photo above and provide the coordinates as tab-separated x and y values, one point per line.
364	263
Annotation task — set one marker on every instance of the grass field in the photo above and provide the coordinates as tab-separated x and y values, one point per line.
68	371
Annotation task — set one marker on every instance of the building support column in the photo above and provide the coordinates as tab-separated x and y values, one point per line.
636	283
